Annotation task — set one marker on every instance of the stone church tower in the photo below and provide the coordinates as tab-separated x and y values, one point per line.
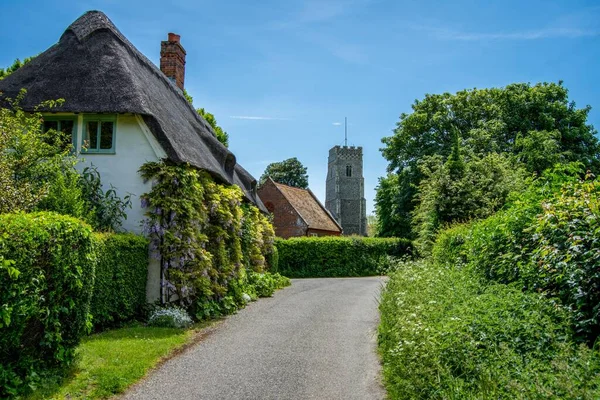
345	189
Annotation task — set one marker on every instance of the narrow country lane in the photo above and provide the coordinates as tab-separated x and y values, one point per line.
313	340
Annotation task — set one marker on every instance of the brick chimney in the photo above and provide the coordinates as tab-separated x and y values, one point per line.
172	59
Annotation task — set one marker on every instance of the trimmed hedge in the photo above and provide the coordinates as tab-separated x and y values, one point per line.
334	256
45	292
121	274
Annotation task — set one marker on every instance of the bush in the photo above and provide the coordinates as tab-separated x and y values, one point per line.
333	256
45	292
265	284
170	317
121	273
547	242
446	334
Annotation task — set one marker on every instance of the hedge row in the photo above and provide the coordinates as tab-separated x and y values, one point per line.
334	256
548	242
121	274
45	292
48	265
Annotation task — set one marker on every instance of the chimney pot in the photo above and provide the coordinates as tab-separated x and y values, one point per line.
173	37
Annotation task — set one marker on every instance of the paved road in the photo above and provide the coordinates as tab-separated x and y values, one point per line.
313	340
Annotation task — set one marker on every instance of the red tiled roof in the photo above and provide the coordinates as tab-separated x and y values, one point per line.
309	207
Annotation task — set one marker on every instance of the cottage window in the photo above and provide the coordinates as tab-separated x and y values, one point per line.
62	131
349	170
99	134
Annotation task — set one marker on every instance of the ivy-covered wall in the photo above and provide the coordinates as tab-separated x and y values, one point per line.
203	235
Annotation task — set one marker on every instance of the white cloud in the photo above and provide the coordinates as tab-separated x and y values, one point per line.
252	117
336	123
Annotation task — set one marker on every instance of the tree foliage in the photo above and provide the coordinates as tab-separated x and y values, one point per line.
531	126
289	172
222	136
37	173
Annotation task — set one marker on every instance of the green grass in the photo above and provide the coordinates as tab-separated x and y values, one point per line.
446	334
109	362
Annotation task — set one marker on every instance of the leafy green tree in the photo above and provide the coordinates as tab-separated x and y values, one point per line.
37	173
222	136
537	125
453	192
289	172
210	118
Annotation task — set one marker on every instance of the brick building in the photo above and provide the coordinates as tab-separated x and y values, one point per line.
297	212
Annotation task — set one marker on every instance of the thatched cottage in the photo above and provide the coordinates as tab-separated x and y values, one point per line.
122	111
125	109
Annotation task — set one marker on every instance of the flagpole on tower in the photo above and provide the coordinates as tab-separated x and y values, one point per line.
345	131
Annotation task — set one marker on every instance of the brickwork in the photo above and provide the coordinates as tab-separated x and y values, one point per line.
286	220
345	192
172	60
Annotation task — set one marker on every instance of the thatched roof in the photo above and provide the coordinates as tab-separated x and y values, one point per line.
97	70
310	209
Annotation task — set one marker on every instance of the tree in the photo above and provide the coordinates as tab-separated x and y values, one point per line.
289	172
533	126
37	173
222	136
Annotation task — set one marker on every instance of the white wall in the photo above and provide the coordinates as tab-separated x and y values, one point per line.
135	146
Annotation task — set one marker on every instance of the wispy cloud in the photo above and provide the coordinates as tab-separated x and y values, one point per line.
259	118
336	124
536	34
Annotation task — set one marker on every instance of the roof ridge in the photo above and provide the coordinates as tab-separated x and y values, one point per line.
94	20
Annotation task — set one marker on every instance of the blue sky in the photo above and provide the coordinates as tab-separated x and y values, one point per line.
280	76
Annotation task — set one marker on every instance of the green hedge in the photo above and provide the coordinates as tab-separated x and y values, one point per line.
334	256
45	292
121	274
446	333
547	241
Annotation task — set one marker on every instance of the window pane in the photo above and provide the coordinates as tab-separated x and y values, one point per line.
67	127
91	135
106	135
50	125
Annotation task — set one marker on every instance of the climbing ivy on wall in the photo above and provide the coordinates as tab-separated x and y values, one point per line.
203	235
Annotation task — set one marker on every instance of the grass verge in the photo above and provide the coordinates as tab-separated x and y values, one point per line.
110	362
446	334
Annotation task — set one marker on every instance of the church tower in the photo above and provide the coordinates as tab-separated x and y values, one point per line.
345	189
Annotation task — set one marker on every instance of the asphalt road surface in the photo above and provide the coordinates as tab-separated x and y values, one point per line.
313	340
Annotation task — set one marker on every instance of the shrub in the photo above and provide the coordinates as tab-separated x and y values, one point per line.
37	173
446	334
44	295
121	273
170	317
547	242
265	284
337	256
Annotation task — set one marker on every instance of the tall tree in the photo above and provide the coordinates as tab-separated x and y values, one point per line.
533	125
289	172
